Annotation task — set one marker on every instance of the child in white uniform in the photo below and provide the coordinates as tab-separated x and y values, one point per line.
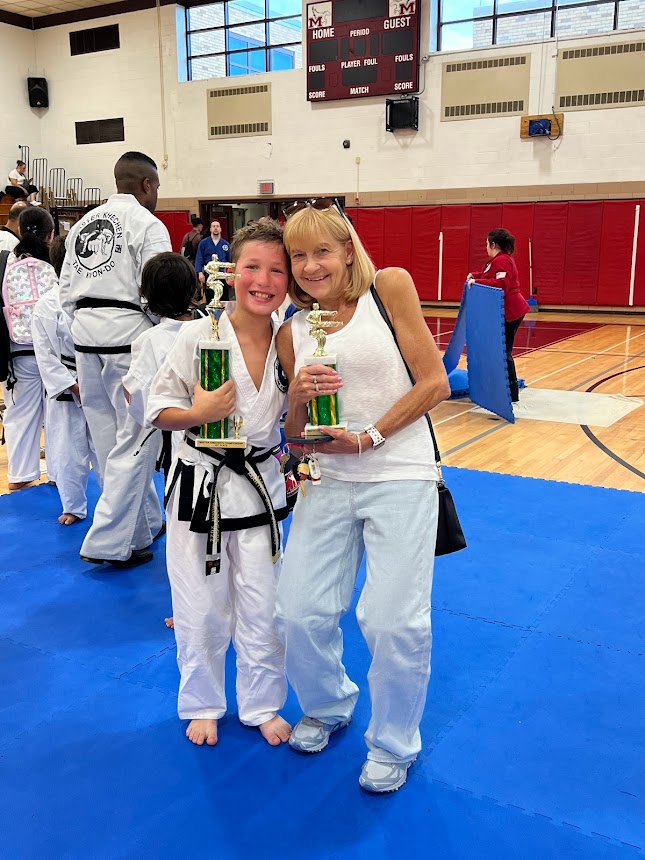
67	436
224	588
168	284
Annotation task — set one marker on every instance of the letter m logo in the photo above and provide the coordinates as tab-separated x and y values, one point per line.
318	15
399	8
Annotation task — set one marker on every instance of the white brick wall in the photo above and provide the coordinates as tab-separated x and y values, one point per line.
305	153
20	124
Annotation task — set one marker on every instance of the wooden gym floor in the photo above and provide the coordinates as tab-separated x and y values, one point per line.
556	351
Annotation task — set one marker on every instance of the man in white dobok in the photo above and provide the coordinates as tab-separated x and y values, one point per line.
99	288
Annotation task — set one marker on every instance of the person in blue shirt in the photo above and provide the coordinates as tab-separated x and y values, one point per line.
213	244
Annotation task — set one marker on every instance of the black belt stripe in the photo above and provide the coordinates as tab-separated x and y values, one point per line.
103	350
107	303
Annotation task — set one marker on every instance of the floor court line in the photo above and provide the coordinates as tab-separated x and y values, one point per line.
502	426
539	379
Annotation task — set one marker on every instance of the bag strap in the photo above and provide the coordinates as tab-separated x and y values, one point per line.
388	322
4	258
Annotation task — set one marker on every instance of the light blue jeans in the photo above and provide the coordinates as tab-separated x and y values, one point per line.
395	523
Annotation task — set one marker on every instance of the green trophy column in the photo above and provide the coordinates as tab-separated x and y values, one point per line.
324	409
214	373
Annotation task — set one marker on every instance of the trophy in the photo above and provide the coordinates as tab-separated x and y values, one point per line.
323	409
215	364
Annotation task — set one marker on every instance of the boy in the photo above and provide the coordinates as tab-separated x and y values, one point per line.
227	504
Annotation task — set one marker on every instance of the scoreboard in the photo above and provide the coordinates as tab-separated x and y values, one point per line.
359	48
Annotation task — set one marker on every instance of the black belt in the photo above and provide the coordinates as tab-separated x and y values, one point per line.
65	398
107	303
103	350
205	517
10	382
68	361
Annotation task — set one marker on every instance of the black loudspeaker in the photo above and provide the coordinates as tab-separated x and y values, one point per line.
37	90
402	113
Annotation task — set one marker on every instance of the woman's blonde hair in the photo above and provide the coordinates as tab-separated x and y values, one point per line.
310	225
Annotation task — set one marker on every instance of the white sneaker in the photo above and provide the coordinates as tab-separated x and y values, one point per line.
380	777
310	735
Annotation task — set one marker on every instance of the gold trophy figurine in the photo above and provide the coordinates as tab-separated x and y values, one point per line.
215	363
323	409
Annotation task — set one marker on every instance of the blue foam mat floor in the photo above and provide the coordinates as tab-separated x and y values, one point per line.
533	730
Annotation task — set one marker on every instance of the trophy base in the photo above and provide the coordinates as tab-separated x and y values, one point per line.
230	442
313	431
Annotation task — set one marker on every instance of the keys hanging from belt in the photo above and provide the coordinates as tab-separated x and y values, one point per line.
309	469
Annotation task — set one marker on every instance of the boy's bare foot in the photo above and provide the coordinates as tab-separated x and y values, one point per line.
68	519
199	731
170	622
275	731
19	485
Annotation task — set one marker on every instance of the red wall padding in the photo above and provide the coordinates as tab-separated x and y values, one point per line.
581	250
397	238
424	257
178	224
582	258
549	249
455	226
616	240
517	218
370	228
483	219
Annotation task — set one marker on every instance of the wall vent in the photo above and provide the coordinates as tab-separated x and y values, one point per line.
488	109
601	76
100	131
238	91
603	50
248	128
239	111
478	89
486	64
593	99
94	39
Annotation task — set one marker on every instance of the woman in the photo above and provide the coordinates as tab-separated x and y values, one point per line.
378	485
19	187
501	272
23	391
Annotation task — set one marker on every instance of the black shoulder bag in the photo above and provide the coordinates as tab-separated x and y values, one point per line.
450	536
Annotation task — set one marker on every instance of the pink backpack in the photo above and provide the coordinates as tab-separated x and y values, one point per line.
25	280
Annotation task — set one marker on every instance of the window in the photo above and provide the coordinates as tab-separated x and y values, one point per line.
243	37
466	24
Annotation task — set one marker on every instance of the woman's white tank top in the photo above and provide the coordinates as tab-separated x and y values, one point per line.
374	379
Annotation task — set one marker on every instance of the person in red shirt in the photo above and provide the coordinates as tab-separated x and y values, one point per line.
501	271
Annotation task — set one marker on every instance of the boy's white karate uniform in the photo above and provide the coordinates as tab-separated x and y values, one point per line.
238	601
105	255
149	352
69	446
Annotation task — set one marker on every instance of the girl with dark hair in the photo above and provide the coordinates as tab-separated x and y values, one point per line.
500	271
23	390
67	436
